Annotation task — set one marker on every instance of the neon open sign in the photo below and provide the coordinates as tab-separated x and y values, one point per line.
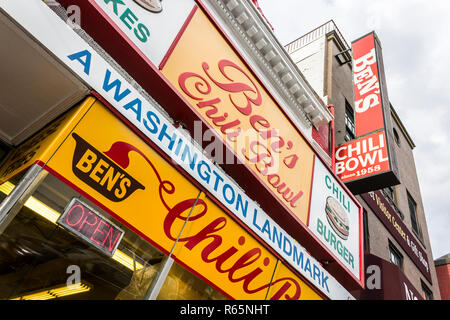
90	226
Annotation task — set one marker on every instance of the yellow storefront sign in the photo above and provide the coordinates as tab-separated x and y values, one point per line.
113	167
224	92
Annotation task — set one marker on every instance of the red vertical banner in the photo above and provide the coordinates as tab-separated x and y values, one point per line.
366	81
369	162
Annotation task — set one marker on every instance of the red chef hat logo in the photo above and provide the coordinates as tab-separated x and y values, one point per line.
105	172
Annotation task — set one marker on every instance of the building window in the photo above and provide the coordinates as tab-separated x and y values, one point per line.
413	213
366	232
348	136
395	256
391	196
350	132
426	292
396	137
390	191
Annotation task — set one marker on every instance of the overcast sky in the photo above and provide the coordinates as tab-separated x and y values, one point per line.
416	49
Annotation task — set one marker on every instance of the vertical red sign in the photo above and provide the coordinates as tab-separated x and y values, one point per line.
369	162
366	81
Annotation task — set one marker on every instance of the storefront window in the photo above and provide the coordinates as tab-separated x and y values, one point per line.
41	260
183	285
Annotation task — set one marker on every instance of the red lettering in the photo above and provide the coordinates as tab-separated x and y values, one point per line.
285	287
219	120
202	86
255	147
92	226
221	258
206	233
109	236
263	162
273	133
210	233
271	180
97	230
295	198
257	119
243	95
71	211
86	222
284	191
231	135
246	260
176	213
210	103
236	87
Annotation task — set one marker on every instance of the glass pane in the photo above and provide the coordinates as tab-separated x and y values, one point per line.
395	257
426	293
39	258
412	210
349	111
183	285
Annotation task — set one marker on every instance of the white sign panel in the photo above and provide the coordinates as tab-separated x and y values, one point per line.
152	25
334	219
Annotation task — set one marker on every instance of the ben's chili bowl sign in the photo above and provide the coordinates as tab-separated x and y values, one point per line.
174	143
226	95
151	123
369	163
368	104
362	157
181	220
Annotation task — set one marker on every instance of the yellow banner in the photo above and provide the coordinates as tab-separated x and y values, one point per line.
40	147
115	169
224	92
